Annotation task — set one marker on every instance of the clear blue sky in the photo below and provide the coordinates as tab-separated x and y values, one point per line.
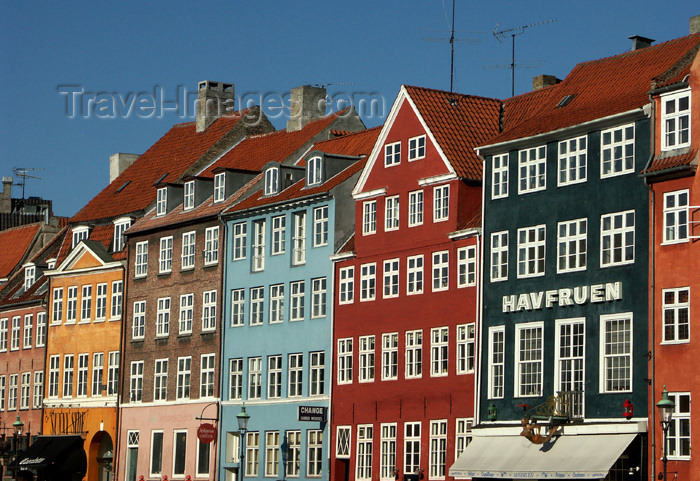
129	47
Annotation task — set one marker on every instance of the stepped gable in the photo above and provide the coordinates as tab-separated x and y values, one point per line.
459	124
14	244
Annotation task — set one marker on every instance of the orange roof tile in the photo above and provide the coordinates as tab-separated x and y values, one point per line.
660	164
14	244
459	123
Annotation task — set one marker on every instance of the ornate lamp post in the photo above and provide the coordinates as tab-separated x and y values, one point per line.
17	425
666	407
243	418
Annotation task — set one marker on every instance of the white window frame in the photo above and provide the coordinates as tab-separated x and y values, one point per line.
321	226
496	362
240	234
441	203
299	239
499	176
237	307
618	354
572	245
188	196
255	377
532	251
416	148
345	360
466	348
29	277
86	303
40	329
82	378
387	451
441	271
141	260
438	449
276	303
101	301
153	462
138	320
293	465
610	234
412	447
439	351
529	359
414	354
25	390
176	433
189	242
415	208
392	154
366	359
368	282
209	299
272	181
272	453
314	453
117	300
391	278
27	333
257	306
346	284
15	335
235	384
186	314
80	233
679	419
369	217
207	376
463	435
570	358
317	370
390	356
676	315
98	369
363	453
676	225
414	275
296	297
57	310
211	246
219	187
532	169
466	266
257	245
342	442
279	233
165	258
295	374
252	453
499	256
160	379
314	171
184	377
120	226
676	125
113	373
162	201
163	317
573	161
391	213
319	287
136	382
38	390
609	144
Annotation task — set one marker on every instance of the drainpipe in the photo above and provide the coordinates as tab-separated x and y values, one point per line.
479	304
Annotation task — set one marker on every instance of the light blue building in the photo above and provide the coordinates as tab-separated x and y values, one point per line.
278	304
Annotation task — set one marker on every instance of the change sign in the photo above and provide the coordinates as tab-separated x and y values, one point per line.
312	413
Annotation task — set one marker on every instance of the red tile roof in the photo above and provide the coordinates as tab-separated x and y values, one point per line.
459	123
602	88
660	164
172	154
14	244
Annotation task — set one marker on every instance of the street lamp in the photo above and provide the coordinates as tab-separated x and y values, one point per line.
18	425
666	407
243	418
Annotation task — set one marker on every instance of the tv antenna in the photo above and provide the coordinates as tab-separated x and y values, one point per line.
513	32
452	41
23	172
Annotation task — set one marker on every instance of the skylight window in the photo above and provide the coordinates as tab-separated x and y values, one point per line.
161	178
123	186
566	100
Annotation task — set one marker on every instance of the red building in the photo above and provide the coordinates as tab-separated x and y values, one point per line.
406	293
674	186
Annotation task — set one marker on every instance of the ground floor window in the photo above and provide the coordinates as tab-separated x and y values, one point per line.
314	453
156	453
179	453
679	429
438	448
203	458
364	451
388	450
252	452
411	448
132	454
293	453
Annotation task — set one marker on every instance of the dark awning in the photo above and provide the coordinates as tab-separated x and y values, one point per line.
61	454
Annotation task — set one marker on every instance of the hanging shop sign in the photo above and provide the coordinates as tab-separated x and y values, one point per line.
206	433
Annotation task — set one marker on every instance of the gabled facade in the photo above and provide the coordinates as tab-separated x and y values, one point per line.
406	295
565	332
276	356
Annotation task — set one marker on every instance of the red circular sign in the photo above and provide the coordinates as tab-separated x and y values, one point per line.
206	433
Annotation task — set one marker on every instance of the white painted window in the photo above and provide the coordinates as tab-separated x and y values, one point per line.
496	362
156	465
414	275
162	201
617	151
363	458
293	465
317	369
391	278
25	390
439	340
272	453
678	442
532	169
572	161
15	335
188	249
258	245
342	442
499	176
466	348
368	281
529	350
321	226
411	448
387	451
117	300
136	382
572	243
414	354
415	208
3	335
416	148
54	373
57	310
237	307
257	299
314	174
499	256
314	453
298	289
119	228
38	394
82	384
676	216
347	285
345	361
272	181
441	203
438	448
27	333
676	306
98	370
276	303
40	330
675	120
209	311
391	213
141	259
113	373
179	453
441	271
318	297
3	381
466	266
211	245
279	233
86	303
188	196
369	217
79	234
166	255
617	239
219	187
616	353
186	313
239	240
390	356
184	377
206	375
569	360
163	317
295	375
29	275
252	454
160	380
531	251
12	391
101	302
138	321
463	435
299	239
235	378
366	359
392	154
72	304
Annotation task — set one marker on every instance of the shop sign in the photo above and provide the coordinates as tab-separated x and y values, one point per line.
312	413
206	433
567	296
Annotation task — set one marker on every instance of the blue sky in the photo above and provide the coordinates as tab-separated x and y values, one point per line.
269	47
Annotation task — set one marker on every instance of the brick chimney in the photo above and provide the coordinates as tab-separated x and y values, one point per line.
307	103
118	163
542	81
214	100
639	42
695	24
6	196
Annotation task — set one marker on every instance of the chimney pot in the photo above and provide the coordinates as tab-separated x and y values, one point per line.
214	100
542	81
639	42
695	24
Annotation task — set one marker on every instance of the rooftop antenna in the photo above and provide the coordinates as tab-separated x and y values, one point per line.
513	32
23	172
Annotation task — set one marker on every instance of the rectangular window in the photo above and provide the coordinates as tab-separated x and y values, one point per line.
117	299
166	255
237	307
254	377
179	453
136	382
321	226
252	454
141	259
528	359
390	356
113	373
387	451
499	176
411	447
463	435
86	303
299	239
15	335
98	367
569	372
27	334
72	304
416	148
156	453
676	306
68	366
441	203
298	289
295	374
293	453
438	448
239	240
414	354
57	311
208	311
314	171
342	442
466	339
40	329
616	351
206	375
184	377
414	275
532	169
38	397
441	264
392	154
160	380
211	246
617	151
318	297
138	326
279	233
163	319
54	373
2	392
25	390
276	303
391	213
3	334
317	373
439	340
186	313
499	256
79	234
272	453
29	277
257	299
219	187
369	217
531	251
676	216
258	245
415	208
347	285
162	201
345	361
675	120
678	442
81	390
496	363
12	394
366	351
188	196
314	453
368	282
466	265
572	161
364	451
203	457
391	278
274	376
617	239
235	378
101	302
572	239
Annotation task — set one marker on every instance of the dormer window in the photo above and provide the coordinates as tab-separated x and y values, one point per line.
188	201
219	191
51	264
29	276
314	171
272	180
675	120
120	226
79	234
162	201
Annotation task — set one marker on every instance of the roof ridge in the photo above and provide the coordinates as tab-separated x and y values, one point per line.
639	51
23	226
451	93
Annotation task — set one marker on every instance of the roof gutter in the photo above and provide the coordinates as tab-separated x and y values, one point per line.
270	207
669	88
671	170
